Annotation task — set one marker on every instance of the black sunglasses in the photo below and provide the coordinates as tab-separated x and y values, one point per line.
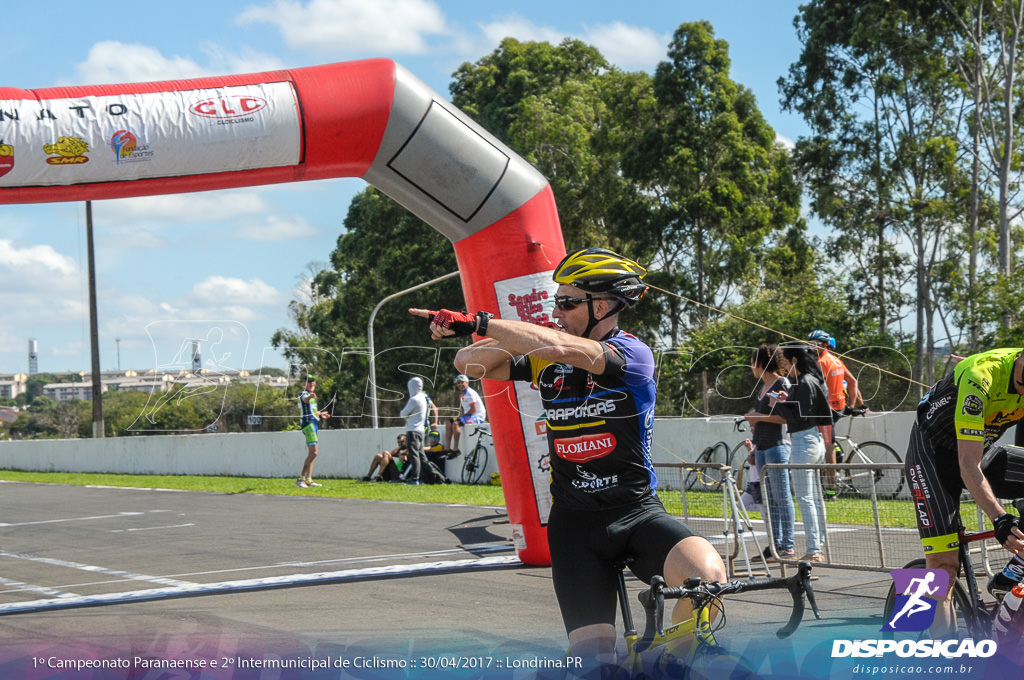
568	303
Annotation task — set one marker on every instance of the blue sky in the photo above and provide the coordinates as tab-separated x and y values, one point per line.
222	266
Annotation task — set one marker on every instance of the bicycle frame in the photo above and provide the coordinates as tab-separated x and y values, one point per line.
980	613
704	597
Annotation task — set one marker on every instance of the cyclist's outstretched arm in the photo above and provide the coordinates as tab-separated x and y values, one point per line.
970	453
484	359
540	342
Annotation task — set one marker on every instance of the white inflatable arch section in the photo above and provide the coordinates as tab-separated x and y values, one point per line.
370	119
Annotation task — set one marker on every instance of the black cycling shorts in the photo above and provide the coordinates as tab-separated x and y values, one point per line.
585	545
935	485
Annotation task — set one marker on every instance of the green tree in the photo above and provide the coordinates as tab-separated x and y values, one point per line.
876	84
709	374
385	249
710	185
569	114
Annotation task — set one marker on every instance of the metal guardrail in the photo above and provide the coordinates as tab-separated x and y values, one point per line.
866	532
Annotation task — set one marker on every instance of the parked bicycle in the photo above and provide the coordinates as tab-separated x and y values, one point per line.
708	615
709	476
476	460
888	482
974	614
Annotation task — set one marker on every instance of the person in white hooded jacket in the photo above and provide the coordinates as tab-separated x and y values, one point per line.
415	414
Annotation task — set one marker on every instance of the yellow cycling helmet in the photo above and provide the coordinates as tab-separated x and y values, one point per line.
598	270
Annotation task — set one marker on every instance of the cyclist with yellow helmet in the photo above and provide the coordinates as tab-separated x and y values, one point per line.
597	385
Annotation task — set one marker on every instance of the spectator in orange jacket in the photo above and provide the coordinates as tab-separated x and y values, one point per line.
842	392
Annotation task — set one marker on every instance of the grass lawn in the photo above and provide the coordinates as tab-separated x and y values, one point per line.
479	494
848	510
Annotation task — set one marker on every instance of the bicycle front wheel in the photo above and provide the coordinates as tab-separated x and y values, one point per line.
704	478
967	624
737	459
888	483
473	466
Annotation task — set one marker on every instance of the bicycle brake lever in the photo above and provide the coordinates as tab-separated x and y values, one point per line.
798	586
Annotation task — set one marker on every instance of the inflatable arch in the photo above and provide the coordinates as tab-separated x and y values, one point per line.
370	119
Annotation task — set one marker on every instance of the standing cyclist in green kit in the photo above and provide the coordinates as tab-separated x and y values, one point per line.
309	421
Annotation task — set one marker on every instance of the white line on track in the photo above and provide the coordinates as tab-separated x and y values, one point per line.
166	526
18	586
95	569
70	519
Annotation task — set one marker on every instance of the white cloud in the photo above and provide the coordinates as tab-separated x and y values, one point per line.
521	29
625	46
31	262
225	292
629	47
349	26
111	61
274	228
246	60
207	206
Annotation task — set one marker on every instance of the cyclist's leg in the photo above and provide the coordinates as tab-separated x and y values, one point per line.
584	582
456	434
937	508
660	544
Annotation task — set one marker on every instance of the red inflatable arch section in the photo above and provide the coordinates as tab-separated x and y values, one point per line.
370	119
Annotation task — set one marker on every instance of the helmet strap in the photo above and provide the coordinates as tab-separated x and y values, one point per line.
593	321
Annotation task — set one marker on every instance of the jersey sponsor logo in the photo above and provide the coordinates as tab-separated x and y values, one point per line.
936	406
920	494
590	409
591	483
972	405
971	432
585	447
980	386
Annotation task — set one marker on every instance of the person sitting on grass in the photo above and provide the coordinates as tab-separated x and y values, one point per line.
388	463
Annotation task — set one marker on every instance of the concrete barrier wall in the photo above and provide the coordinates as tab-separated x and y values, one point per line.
344	453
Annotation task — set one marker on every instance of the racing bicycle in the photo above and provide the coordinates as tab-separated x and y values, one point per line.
888	481
708	615
974	614
476	460
707	473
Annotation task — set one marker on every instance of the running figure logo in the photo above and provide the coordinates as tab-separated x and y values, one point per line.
915	605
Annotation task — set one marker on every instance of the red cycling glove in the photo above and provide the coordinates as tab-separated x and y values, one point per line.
460	323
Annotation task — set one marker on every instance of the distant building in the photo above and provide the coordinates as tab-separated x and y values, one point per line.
12	385
149	382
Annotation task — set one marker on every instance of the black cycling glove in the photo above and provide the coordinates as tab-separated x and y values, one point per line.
1003	525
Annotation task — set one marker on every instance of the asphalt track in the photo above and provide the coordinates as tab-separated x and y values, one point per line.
105	573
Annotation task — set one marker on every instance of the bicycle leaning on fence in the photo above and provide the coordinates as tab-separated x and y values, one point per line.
476	460
974	614
888	482
708	616
708	476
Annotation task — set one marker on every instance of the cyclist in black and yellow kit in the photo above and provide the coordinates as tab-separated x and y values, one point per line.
957	421
597	386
